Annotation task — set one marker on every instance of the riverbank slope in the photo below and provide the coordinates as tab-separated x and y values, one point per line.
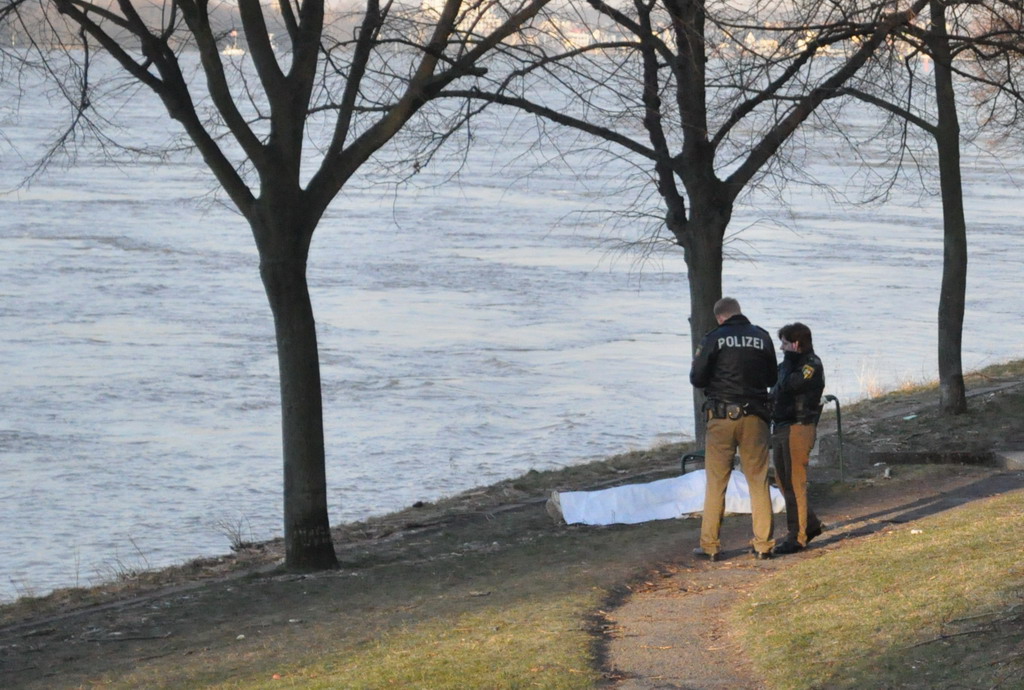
485	588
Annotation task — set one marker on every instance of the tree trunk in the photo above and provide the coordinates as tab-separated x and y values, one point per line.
952	396
307	534
702	247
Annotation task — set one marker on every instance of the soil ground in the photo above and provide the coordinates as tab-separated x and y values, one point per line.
664	608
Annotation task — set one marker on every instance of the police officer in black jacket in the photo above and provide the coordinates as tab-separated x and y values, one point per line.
796	410
735	365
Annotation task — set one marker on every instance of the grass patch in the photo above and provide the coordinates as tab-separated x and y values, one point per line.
526	645
933	604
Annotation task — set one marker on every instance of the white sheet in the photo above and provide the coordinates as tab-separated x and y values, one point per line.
659	500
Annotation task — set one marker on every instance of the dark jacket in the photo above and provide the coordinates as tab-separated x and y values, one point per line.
797	392
735	363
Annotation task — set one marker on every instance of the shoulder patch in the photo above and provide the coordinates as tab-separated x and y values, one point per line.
697	353
808	371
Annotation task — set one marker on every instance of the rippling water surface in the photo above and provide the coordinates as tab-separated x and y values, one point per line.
468	333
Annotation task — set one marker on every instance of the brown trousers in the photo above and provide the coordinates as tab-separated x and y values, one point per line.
791	453
750	435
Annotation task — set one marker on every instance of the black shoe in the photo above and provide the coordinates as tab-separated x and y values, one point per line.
701	553
812	533
787	547
762	555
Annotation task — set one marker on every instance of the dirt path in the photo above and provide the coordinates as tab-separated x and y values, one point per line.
671	632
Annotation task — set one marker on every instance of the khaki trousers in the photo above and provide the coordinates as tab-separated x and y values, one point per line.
791	453
750	435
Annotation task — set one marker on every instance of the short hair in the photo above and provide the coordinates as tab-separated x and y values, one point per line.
727	306
798	333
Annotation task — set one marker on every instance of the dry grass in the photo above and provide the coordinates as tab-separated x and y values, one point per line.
908	388
531	644
933	604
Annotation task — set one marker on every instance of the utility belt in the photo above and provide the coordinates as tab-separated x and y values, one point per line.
802	415
807	411
721	409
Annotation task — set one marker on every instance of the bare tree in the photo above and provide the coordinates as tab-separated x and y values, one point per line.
898	86
965	45
703	94
360	78
952	298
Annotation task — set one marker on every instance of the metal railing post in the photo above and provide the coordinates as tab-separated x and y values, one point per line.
839	434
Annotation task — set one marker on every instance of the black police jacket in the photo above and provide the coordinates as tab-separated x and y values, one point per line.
796	395
735	363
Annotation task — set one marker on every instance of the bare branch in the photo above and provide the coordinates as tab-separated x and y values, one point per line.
896	110
798	113
558	117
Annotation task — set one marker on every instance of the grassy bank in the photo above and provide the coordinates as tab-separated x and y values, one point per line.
935	603
516	612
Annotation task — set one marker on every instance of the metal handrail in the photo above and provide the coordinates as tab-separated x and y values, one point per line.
695	456
839	435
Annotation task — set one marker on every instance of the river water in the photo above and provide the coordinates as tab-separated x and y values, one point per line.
469	332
